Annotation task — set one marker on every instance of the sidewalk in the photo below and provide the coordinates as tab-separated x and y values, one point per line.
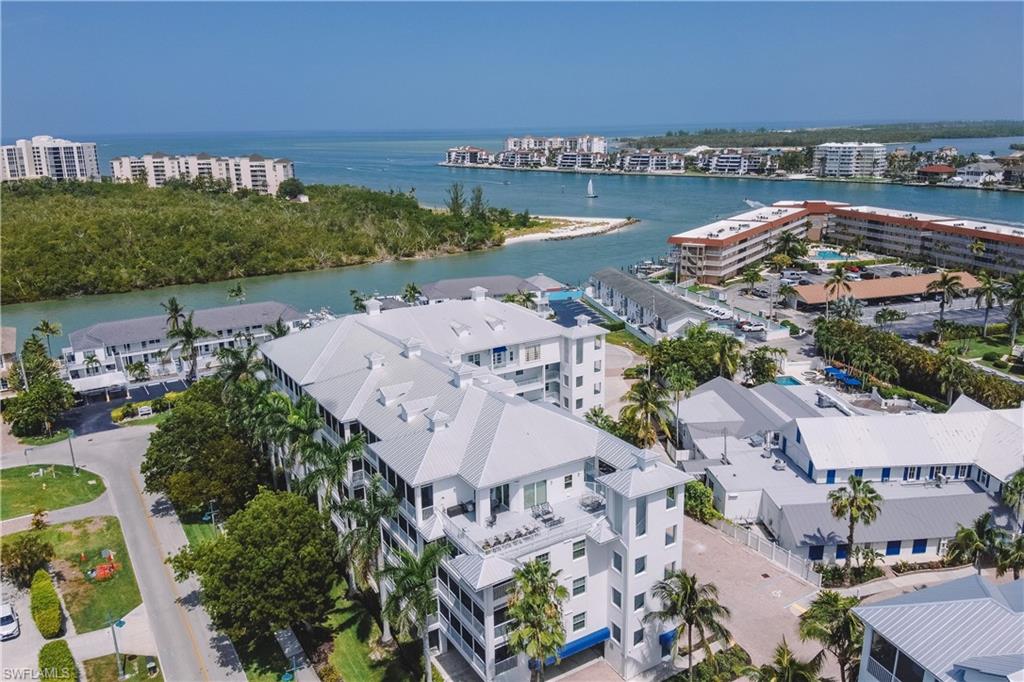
296	656
890	587
134	638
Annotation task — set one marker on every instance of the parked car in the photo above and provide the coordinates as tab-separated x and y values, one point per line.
9	626
897	273
761	292
852	277
816	271
868	275
750	326
854	268
805	282
786	281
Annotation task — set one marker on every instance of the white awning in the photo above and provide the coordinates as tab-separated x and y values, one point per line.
99	382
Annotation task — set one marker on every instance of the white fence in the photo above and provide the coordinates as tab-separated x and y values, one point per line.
798	566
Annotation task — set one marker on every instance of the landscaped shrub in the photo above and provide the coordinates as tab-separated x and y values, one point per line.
45	605
699	502
613	325
159	404
57	663
727	664
991	356
23	555
635	372
1000	364
794	328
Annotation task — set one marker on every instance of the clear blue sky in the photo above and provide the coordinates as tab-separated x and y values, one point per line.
124	67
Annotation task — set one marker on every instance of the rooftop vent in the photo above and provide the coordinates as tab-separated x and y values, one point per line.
438	420
374	360
582	320
462	375
372	306
411	347
389	395
461	330
411	409
779	465
477	293
495	323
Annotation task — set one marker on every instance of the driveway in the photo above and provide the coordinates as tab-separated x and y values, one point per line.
764	599
188	647
94	415
616	360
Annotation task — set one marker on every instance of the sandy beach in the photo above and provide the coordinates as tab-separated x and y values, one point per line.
570	227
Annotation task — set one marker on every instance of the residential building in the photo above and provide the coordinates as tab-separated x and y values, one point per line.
965	630
252	172
98	356
739	161
778	451
644	305
979	173
49	157
495	286
581	160
8	359
591	144
650	160
850	159
468	156
501	480
935	172
521	158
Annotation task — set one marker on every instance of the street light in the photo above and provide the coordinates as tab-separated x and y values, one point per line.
114	624
71	435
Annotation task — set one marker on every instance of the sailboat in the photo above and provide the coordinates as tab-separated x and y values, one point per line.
590	190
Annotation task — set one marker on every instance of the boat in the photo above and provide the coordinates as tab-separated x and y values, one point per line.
590	190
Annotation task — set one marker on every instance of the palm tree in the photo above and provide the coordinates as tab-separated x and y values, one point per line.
328	468
680	381
1013	495
1013	297
830	621
411	599
789	244
786	667
692	605
187	336
411	293
522	298
953	373
237	293
138	371
277	328
645	405
238	364
948	286
727	354
535	611
1010	557
886	316
48	329
835	283
973	543
848	308
175	313
752	276
299	430
360	547
858	502
91	362
990	292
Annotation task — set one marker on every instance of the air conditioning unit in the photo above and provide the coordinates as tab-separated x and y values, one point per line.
779	465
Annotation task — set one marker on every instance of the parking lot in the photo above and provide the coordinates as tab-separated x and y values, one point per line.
93	415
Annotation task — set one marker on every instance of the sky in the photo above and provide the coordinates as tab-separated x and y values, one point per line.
180	67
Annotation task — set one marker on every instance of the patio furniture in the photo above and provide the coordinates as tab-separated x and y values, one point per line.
491	520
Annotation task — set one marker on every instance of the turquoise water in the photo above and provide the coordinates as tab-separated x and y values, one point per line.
787	381
665	205
825	254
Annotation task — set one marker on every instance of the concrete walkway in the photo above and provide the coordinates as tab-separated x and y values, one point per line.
296	656
134	638
101	506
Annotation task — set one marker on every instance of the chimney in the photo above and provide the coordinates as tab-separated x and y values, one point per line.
374	360
582	320
462	375
411	347
477	293
438	420
372	306
647	460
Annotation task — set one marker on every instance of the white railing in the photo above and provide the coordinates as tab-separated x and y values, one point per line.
506	665
458	607
781	556
879	671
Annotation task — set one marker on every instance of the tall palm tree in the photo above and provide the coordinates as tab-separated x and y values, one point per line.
411	293
48	329
1013	496
277	328
789	244
535	611
300	427
975	542
238	364
848	308
786	667
727	354
990	292
328	468
953	373
411	599
187	336
175	313
360	547
1013	297
270	419
525	299
948	285
831	622
645	406
835	284
752	276
857	502
680	381
237	293
1010	557
692	606
138	371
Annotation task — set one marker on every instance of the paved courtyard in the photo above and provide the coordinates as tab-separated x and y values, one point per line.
616	360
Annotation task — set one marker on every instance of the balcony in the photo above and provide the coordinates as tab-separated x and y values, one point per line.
879	671
506	665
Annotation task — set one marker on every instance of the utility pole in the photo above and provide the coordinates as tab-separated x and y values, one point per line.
71	435
114	624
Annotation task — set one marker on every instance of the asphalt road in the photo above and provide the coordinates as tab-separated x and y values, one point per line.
94	415
916	324
189	649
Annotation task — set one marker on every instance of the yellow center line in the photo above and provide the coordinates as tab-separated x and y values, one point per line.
170	578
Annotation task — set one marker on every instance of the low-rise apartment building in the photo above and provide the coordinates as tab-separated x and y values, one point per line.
650	160
49	157
253	172
778	451
738	161
581	160
850	160
98	356
500	479
644	305
521	158
965	630
591	144
468	156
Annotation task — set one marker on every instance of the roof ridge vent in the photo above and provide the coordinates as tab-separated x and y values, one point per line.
495	323
438	420
410	409
411	347
389	395
462	375
374	360
461	330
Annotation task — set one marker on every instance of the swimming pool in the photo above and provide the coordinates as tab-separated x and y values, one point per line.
787	380
828	254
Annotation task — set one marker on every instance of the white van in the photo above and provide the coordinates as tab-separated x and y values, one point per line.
795	275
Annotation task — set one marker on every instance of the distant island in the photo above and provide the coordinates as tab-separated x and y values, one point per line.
887	133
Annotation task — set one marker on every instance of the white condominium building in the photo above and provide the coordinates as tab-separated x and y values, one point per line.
850	159
466	155
650	160
252	172
592	144
48	157
502	481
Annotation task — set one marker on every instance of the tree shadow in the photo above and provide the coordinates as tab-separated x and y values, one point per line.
161	508
227	655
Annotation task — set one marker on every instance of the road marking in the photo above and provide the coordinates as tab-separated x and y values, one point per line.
170	577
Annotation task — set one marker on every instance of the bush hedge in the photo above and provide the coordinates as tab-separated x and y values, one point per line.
45	605
888	392
991	356
1000	364
727	664
57	663
160	404
613	325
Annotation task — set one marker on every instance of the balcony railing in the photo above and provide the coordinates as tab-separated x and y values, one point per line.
459	608
879	671
506	665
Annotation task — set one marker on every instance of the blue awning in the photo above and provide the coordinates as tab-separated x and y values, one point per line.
499	349
667	637
578	645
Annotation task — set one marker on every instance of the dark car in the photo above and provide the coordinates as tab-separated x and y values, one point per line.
897	273
805	282
868	275
816	271
929	270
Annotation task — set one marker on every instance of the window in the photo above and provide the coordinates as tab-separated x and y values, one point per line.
841	551
579	621
544	558
641	516
597	365
579	549
670	568
883	651
579	381
892	548
638	637
565	380
640	565
670	498
617	561
616	598
579	351
598	342
616	634
639	601
597	388
859	473
567	481
532	353
535	493
816	552
579	586
579	403
830	476
565	403
427	497
670	536
907	670
920	546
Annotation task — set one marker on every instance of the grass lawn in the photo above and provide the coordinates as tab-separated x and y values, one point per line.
152	419
196	530
262	659
104	669
45	440
624	338
976	347
21	495
88	601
